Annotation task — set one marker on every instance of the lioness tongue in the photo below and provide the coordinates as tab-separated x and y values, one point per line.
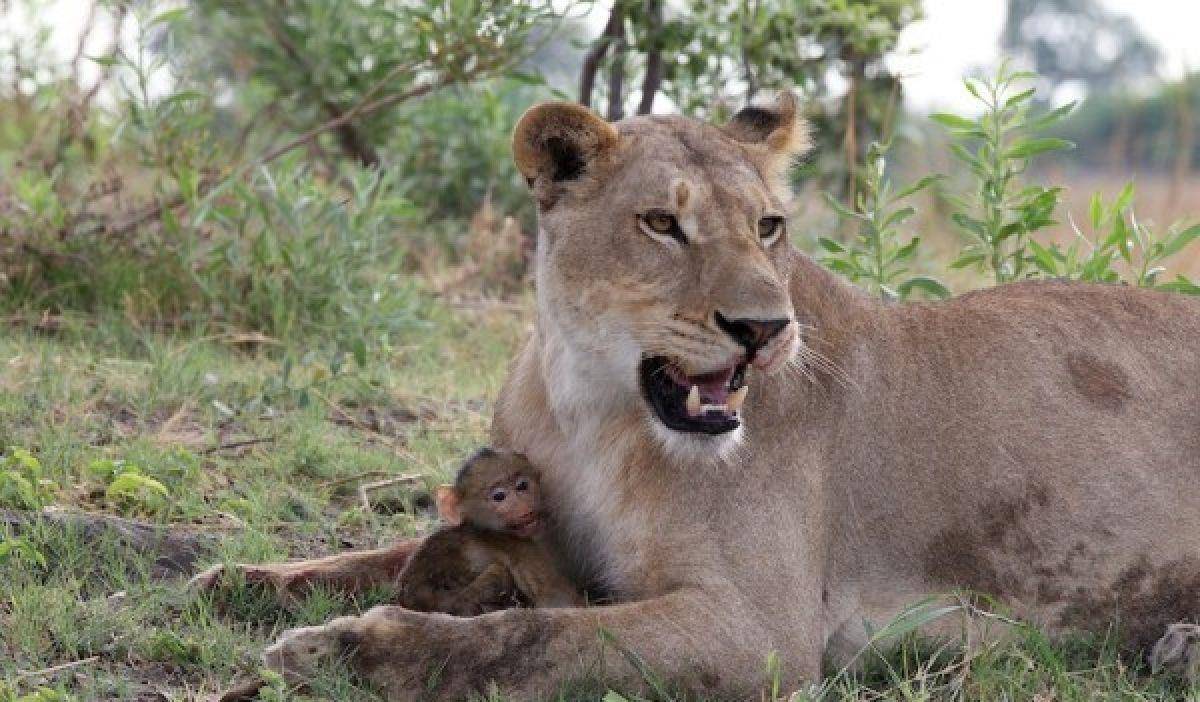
710	392
714	387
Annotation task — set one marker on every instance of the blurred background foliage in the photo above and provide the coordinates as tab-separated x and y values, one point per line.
286	167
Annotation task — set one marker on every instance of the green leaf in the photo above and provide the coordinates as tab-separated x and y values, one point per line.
358	347
907	251
898	217
1180	285
525	77
1174	244
1052	117
926	285
967	157
953	121
841	210
1096	211
919	185
967	259
1033	147
970	224
131	487
830	245
1124	199
1019	98
972	88
844	267
1043	258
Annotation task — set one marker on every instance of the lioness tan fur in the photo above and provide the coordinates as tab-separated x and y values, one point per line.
1039	442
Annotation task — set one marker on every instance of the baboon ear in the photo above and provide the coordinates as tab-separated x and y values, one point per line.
557	141
449	506
776	133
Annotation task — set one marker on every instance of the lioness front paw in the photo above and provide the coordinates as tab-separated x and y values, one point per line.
1178	651
298	652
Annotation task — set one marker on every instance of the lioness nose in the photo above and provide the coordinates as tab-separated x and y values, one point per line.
753	334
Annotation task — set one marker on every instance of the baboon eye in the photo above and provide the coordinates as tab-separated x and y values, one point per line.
769	228
659	224
498	495
522	485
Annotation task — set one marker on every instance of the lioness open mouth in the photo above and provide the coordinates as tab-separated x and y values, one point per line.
707	403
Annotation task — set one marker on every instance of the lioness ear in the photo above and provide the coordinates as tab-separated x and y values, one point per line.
449	506
776	133
556	141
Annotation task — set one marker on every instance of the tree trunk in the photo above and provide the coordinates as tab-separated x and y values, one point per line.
857	74
616	80
591	60
349	137
751	9
654	59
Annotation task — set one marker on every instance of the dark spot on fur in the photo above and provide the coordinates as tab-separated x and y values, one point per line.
1143	601
709	678
1048	593
349	641
567	158
1102	382
960	558
824	595
971	556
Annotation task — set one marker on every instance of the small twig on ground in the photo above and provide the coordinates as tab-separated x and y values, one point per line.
57	668
238	444
353	478
365	489
241	691
359	424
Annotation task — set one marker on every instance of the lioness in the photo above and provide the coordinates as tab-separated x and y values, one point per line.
1039	442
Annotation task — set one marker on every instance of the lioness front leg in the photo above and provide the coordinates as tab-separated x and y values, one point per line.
530	654
350	572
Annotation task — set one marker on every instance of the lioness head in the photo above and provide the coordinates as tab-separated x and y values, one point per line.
661	262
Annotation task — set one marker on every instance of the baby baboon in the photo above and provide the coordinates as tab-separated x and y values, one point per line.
490	554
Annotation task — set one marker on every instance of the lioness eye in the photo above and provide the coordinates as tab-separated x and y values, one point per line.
769	228
498	495
660	224
522	485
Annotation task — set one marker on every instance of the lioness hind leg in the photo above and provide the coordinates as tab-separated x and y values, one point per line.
1178	651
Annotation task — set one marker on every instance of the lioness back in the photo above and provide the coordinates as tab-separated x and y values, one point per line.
1039	442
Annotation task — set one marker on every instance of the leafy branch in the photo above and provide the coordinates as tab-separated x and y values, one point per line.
878	256
997	148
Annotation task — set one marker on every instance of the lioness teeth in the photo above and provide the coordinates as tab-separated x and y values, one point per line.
693	401
736	398
716	408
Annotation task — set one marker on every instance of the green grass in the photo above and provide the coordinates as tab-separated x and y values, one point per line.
98	397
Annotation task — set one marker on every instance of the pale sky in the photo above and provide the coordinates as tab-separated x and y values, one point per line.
958	35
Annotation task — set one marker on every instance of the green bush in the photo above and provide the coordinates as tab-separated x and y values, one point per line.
255	173
1002	213
22	481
